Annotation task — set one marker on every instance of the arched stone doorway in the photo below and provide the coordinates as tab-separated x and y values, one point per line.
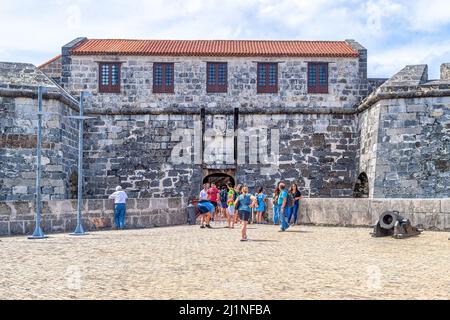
219	177
361	186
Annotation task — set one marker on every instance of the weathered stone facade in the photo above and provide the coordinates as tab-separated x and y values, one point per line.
134	151
190	84
131	142
18	135
316	150
397	137
445	71
405	137
17	217
52	68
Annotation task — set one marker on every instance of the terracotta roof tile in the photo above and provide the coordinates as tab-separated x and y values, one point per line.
49	61
241	48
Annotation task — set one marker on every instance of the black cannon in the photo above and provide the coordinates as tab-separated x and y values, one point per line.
391	223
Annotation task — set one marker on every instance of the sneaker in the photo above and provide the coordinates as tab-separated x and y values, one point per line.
244	239
202	227
208	226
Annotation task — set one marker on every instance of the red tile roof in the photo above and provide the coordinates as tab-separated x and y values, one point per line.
239	48
49	61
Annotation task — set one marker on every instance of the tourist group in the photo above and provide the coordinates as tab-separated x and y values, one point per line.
235	204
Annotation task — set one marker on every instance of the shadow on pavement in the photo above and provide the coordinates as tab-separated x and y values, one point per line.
298	231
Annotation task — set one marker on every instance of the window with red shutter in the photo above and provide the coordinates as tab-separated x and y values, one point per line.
109	77
163	78
216	77
317	77
267	81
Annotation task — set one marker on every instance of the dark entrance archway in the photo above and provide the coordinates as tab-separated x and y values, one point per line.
219	179
361	186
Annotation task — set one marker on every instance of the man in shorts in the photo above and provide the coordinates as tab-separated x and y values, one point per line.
206	209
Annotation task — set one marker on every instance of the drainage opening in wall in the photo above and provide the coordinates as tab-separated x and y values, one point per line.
361	186
73	185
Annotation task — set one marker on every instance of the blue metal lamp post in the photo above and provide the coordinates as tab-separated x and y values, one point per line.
38	233
79	230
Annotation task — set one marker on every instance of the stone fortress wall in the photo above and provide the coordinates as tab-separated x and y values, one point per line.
17	217
18	135
398	136
326	140
316	150
131	142
404	130
190	83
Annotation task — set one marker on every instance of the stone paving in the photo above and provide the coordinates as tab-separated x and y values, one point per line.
187	262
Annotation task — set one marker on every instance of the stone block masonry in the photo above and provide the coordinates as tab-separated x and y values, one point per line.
18	134
404	148
53	68
428	214
134	151
130	144
18	142
136	94
17	217
316	151
404	130
445	71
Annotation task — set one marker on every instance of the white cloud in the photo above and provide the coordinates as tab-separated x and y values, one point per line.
429	16
394	32
388	62
378	12
73	13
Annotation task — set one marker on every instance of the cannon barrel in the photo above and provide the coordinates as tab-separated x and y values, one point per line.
388	219
390	223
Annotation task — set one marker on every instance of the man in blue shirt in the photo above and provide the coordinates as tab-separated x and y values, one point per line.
206	209
282	204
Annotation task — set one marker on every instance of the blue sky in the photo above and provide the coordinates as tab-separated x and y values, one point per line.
396	33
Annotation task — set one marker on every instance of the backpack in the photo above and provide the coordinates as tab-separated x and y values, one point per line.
223	196
289	200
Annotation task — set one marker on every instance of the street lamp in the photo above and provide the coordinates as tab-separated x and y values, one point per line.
79	231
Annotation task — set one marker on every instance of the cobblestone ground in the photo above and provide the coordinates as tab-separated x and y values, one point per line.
187	262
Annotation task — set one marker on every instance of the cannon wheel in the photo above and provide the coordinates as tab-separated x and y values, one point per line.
388	219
